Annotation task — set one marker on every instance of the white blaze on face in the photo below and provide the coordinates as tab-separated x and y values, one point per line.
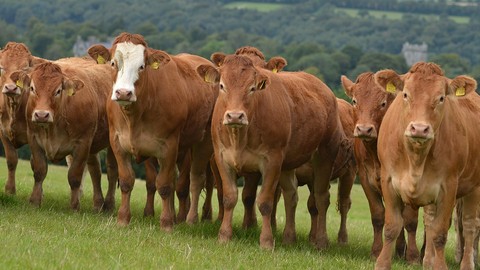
129	58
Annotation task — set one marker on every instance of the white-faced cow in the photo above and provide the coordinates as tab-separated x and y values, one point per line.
271	123
158	108
428	148
61	123
370	103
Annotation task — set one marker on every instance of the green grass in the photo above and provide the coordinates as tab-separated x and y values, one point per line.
263	7
393	15
53	237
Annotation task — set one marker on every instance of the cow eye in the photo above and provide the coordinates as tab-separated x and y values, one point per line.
112	63
57	93
354	102
142	67
442	99
252	89
384	104
405	96
32	90
2	71
222	87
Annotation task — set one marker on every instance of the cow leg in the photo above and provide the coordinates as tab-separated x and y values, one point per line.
312	210
266	198
377	211
393	223
322	166
38	162
12	160
126	180
207	209
460	243
289	185
93	163
470	228
249	195
218	184
182	187
410	218
273	220
345	183
150	175
69	160
165	184
76	171
112	176
200	158
229	198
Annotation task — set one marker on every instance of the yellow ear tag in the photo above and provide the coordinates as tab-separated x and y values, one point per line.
100	59
460	92
19	83
155	65
391	88
209	79
274	70
70	92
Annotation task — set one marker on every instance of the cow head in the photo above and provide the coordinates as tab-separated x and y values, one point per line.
369	102
275	64
129	58
48	88
239	82
425	92
13	58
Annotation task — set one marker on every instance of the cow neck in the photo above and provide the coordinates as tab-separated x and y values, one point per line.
237	137
14	105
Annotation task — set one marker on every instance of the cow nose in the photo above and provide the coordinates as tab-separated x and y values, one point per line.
419	130
365	131
123	95
10	89
41	116
235	118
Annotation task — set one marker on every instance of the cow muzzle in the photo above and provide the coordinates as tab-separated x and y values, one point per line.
235	118
11	89
365	132
124	96
419	131
42	117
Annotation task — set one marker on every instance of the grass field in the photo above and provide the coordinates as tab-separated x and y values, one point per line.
53	237
392	15
263	7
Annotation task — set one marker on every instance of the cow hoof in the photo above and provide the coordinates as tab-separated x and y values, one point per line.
108	206
224	236
35	201
181	217
148	212
166	225
98	205
289	239
321	243
251	223
413	258
192	218
10	190
342	239
207	214
267	244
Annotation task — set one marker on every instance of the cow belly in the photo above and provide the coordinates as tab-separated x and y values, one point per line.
55	150
142	145
243	161
416	192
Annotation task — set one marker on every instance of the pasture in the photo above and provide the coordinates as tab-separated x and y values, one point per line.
53	237
262	7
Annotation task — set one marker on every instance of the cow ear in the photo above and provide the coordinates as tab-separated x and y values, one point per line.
156	58
462	85
21	79
99	53
261	82
208	73
71	86
276	64
347	85
389	80
217	58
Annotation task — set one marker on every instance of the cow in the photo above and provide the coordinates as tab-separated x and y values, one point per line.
59	124
271	123
428	147
370	104
158	108
14	57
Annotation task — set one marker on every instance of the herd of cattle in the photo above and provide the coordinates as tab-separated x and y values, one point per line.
411	138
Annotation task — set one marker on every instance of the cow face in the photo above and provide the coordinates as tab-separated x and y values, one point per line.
369	102
239	83
424	91
15	57
129	57
48	88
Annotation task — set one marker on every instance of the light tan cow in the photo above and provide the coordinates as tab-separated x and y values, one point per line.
428	148
370	104
61	123
263	124
13	100
158	108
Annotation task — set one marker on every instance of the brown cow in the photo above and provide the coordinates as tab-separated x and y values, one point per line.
271	123
370	103
14	57
159	108
59	124
428	148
